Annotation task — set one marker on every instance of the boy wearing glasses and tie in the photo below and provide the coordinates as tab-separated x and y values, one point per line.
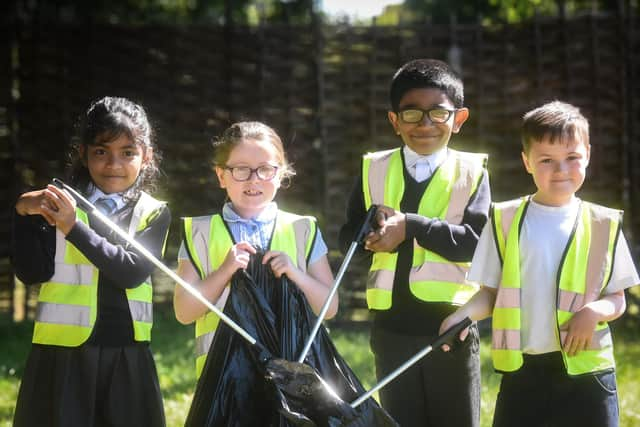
433	203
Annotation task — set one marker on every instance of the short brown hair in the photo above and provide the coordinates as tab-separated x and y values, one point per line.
554	122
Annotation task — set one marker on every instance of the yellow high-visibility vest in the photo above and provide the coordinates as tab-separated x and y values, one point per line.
67	302
208	241
432	278
585	270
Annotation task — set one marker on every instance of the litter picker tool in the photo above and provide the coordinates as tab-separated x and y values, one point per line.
368	225
448	337
89	207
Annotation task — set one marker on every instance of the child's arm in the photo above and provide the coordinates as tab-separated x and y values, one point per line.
186	307
316	284
479	307
33	203
120	263
582	324
33	240
455	242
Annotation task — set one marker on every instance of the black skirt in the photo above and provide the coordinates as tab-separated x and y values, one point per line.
90	386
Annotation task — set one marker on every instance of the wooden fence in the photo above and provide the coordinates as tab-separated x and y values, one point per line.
325	90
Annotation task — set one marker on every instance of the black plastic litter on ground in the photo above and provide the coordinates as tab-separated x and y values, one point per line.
263	385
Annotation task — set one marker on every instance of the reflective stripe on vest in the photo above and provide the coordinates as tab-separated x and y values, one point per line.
67	303
292	234
432	277
584	272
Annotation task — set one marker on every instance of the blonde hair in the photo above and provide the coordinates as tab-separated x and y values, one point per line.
241	131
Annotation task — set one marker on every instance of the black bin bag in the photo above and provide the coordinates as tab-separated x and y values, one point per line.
262	384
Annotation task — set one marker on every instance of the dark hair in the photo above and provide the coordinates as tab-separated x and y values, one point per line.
554	122
238	132
105	121
426	73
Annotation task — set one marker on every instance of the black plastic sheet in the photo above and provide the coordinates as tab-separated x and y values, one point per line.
262	385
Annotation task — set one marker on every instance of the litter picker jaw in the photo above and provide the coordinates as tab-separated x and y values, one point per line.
447	337
367	226
87	206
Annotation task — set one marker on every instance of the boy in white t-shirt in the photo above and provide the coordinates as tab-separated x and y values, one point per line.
553	270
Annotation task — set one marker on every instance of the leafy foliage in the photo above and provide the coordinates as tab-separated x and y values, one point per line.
488	12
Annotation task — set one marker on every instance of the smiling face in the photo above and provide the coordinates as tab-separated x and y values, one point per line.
558	169
250	197
426	137
114	166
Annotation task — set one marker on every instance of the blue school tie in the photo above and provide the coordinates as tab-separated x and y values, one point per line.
106	205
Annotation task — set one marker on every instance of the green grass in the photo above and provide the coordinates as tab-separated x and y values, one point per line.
173	350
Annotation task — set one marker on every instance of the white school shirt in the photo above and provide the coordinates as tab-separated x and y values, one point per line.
544	235
421	167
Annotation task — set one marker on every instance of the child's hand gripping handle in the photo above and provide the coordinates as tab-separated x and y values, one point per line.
369	224
83	203
450	336
447	337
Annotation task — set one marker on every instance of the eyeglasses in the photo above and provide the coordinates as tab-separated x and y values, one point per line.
243	173
436	115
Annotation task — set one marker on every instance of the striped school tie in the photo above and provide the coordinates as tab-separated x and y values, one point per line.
106	205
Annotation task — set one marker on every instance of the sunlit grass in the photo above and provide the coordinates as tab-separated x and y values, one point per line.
173	351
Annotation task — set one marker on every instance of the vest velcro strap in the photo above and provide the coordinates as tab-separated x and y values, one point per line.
73	274
570	301
505	339
141	311
64	314
380	279
508	298
438	272
203	343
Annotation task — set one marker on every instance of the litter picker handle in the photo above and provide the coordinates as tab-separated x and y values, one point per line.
365	228
446	338
84	204
89	207
369	224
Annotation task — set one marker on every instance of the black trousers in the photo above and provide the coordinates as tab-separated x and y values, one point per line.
441	390
89	386
541	394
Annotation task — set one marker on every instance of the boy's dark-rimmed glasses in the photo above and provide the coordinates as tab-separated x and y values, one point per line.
435	115
243	173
